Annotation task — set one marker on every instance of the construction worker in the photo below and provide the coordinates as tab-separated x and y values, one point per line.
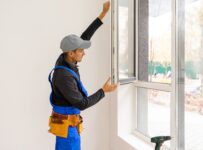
68	96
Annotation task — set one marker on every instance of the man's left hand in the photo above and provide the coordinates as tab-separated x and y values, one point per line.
106	6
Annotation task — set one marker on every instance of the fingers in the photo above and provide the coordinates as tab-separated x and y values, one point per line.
107	3
113	87
106	6
108	80
109	87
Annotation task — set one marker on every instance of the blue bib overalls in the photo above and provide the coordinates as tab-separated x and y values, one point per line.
72	142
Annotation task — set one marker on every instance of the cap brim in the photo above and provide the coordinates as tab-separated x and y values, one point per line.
85	44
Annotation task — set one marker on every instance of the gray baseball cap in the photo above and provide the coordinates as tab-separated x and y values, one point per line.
72	42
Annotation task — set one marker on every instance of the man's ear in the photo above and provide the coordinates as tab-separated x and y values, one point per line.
70	53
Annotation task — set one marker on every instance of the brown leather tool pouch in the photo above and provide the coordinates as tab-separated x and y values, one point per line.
58	126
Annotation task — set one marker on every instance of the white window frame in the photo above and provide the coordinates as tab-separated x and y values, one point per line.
115	39
177	84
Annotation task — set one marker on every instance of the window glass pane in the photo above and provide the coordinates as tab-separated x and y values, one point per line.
153	108
153	112
154	41
194	75
126	56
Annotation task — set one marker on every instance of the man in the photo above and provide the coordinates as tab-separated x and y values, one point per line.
68	95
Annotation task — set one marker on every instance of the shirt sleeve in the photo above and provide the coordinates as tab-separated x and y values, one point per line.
88	33
67	86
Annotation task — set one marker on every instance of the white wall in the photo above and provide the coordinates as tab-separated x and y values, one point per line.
122	121
30	33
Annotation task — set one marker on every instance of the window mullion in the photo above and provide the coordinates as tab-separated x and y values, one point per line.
177	99
114	41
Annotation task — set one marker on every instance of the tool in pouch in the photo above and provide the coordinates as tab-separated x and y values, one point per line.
64	117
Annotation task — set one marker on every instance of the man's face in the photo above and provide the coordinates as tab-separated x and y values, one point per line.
78	55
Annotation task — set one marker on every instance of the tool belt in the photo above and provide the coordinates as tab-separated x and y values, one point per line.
59	124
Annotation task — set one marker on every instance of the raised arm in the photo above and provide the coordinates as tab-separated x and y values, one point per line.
88	33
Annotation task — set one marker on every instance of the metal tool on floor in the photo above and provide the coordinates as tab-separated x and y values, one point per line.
159	140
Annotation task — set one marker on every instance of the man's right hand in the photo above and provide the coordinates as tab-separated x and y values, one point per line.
108	87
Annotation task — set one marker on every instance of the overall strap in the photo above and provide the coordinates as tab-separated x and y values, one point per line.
66	68
79	83
68	109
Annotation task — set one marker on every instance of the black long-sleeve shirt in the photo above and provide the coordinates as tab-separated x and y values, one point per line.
88	33
65	89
